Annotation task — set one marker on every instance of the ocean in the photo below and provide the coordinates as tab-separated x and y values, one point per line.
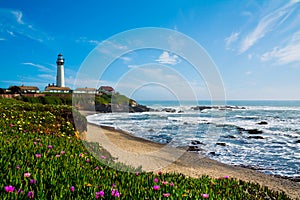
263	135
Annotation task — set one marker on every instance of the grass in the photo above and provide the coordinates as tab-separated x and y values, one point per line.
41	140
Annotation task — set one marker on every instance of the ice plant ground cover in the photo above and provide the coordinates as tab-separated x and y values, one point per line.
42	158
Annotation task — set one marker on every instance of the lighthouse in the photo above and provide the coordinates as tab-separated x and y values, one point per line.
60	77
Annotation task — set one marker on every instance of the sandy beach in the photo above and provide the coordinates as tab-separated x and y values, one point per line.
155	157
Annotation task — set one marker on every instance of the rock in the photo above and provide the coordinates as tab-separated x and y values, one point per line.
254	131
195	142
194	148
212	153
200	108
221	144
151	130
103	108
297	141
180	111
140	108
262	123
256	137
170	110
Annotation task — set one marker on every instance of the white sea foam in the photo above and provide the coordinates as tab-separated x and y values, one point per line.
276	153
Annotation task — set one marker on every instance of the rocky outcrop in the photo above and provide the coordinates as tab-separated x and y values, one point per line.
121	108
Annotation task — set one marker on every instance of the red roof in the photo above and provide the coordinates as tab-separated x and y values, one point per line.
107	88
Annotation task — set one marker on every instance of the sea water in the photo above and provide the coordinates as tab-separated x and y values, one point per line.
223	132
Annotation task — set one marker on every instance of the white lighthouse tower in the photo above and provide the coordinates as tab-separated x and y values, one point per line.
60	77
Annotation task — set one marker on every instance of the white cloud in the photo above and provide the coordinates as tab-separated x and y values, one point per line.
167	58
40	67
133	66
86	40
232	38
15	26
18	15
47	76
125	58
268	23
286	54
10	33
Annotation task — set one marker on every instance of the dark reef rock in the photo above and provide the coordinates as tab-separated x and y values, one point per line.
256	137
194	148
254	131
221	144
169	110
297	141
196	142
230	136
200	108
262	123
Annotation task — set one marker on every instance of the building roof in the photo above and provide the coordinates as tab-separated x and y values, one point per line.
57	88
107	88
28	87
85	89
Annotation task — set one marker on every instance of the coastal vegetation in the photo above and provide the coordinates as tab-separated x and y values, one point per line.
42	157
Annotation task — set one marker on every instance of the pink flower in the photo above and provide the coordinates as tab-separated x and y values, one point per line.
34	142
136	173
18	167
171	184
9	188
11	125
80	155
57	155
115	193
87	160
30	194
156	187
156	180
159	173
62	152
165	182
38	155
103	157
166	194
99	194
27	174
50	146
96	168
72	188
32	181
205	196
226	177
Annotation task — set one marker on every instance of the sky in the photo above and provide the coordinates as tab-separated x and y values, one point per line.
255	46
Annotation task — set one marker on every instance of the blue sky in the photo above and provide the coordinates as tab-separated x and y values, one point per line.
254	44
